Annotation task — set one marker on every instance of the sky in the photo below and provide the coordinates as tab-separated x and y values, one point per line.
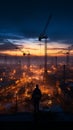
21	23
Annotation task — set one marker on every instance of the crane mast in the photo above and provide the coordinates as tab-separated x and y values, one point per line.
45	37
68	54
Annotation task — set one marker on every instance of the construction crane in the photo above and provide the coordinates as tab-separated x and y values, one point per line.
44	36
28	58
68	54
66	51
56	58
66	70
24	54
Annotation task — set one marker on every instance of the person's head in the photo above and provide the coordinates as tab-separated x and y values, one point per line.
37	86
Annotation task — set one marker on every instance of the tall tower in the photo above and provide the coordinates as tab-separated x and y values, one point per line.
45	37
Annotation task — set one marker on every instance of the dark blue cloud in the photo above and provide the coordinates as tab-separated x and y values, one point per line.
28	18
8	46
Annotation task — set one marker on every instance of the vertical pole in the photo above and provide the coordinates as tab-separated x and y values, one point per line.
56	61
64	73
16	108
28	62
45	61
45	66
67	59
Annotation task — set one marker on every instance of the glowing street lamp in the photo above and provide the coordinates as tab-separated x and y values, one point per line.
16	101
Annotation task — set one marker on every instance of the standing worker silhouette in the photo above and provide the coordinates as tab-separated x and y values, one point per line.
36	97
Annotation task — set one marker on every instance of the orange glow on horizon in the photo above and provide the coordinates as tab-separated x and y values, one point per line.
32	52
12	53
38	50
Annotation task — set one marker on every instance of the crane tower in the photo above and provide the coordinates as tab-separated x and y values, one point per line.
45	37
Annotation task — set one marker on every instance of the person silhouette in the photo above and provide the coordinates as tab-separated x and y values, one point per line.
36	97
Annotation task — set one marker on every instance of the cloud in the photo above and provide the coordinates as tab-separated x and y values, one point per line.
7	41
14	41
56	48
6	45
28	48
11	36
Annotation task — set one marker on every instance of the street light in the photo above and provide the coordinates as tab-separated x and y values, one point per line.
16	101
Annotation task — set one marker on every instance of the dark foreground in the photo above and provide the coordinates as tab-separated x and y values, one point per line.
29	119
41	117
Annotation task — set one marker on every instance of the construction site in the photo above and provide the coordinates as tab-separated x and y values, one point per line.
53	74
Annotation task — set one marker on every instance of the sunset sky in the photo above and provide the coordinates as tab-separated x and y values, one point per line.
22	22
